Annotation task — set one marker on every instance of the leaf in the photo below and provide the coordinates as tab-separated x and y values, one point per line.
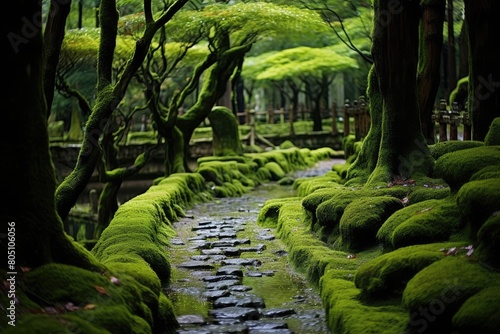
89	307
101	290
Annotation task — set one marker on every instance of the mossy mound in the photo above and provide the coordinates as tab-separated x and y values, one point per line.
308	254
425	222
436	293
362	219
439	149
489	172
348	313
456	168
275	170
77	300
327	205
305	186
480	313
386	276
478	200
488	241
493	135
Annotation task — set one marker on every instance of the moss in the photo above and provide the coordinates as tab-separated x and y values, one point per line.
488	241
489	172
287	144
361	220
478	200
420	223
456	168
479	313
493	135
305	186
387	275
441	148
44	323
436	293
347	313
275	170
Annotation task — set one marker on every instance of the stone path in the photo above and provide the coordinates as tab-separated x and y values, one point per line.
232	276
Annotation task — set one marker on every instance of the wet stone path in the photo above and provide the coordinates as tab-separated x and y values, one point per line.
230	275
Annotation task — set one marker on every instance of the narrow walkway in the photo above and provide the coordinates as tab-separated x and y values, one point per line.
232	276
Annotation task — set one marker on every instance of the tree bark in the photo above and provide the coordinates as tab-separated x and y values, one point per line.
27	173
484	68
403	151
430	48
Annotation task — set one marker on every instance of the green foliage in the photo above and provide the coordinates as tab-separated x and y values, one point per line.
493	135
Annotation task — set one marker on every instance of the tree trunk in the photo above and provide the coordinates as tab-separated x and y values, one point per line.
28	176
430	48
484	68
452	62
403	151
366	161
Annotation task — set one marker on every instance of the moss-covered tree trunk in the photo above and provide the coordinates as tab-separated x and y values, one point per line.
431	43
366	161
214	86
403	151
484	67
28	176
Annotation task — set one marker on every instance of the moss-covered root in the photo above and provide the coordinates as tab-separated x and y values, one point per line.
457	168
452	295
386	276
348	313
425	222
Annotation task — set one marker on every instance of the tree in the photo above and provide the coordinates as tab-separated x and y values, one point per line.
484	70
109	94
29	175
296	67
397	138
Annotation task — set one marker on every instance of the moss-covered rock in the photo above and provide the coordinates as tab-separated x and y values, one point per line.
425	222
478	200
387	275
436	293
493	135
480	313
275	170
456	168
441	148
362	219
488	241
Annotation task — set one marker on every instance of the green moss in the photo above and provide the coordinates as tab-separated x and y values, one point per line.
456	168
488	241
479	313
489	172
387	275
441	148
439	290
478	200
347	313
362	219
493	135
44	323
287	144
306	186
420	223
275	170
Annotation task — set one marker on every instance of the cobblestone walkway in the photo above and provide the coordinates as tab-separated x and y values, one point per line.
233	276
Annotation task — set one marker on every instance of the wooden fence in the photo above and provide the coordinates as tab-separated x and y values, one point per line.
451	121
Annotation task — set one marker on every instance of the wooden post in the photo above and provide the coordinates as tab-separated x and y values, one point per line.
270	116
467	124
347	106
443	121
290	119
454	120
335	129
252	127
357	121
